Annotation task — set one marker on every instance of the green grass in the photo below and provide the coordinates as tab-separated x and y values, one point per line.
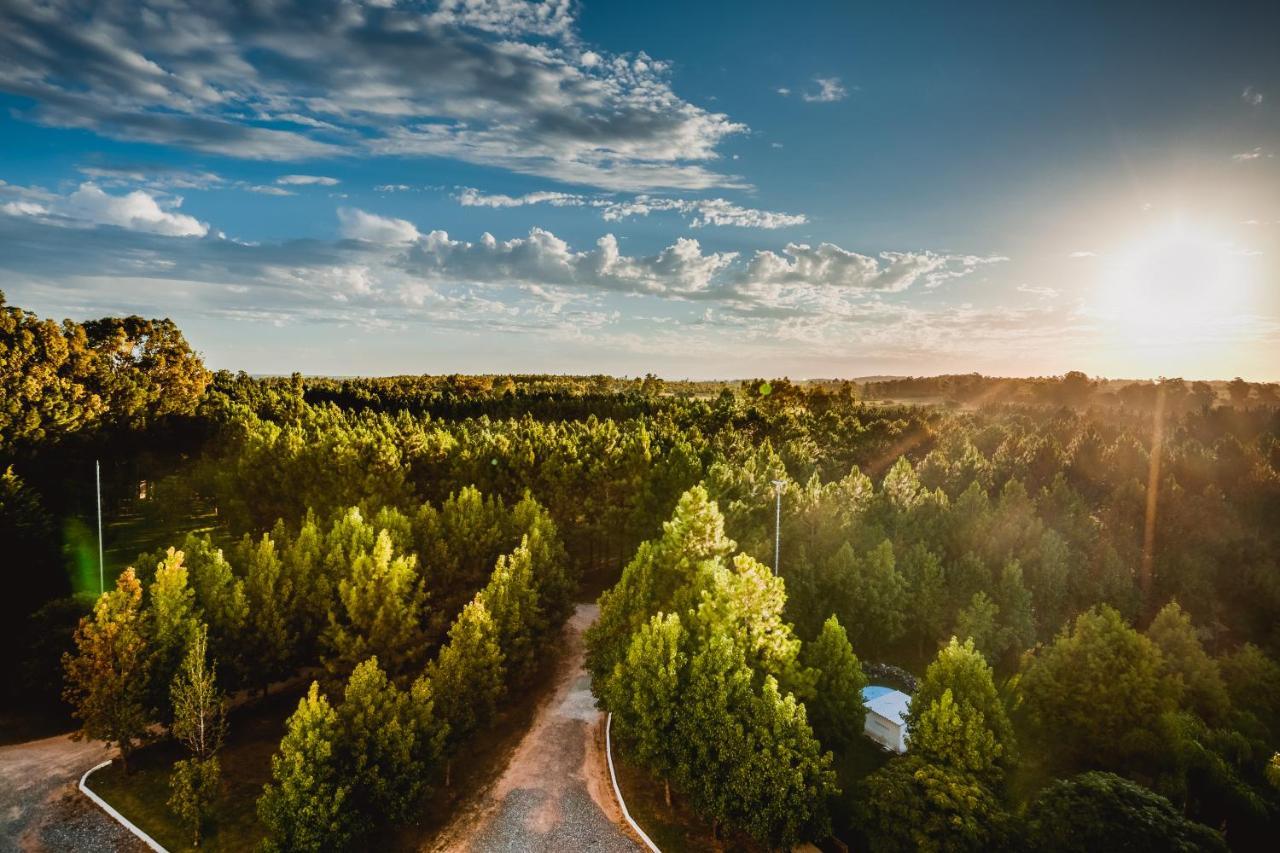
143	794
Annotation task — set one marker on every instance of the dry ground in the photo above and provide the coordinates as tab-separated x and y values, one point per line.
554	794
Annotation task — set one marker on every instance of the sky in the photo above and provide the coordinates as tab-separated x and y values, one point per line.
701	190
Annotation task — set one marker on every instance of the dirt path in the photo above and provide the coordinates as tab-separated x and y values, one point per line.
554	794
40	808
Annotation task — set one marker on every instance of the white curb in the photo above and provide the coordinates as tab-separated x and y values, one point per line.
617	792
121	819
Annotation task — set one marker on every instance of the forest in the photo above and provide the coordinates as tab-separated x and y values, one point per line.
1076	579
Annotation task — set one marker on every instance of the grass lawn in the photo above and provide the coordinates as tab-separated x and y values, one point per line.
254	733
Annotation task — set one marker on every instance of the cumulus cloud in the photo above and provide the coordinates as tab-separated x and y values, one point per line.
307	180
829	89
699	212
1251	96
356	224
89	205
496	82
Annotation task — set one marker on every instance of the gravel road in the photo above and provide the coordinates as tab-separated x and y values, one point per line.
554	794
40	808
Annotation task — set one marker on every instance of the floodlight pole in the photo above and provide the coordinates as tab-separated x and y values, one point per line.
777	522
97	476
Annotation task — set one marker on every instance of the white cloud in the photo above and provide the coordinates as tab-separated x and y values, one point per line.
700	212
307	180
496	82
137	211
1082	253
783	91
470	197
263	189
1246	156
1042	292
829	89
90	206
356	224
392	188
24	208
1251	96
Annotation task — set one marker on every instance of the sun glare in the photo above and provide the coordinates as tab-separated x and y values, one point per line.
1178	279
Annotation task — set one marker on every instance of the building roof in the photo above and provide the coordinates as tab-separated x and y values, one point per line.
887	702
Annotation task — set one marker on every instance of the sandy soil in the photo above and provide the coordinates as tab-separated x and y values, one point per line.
554	794
40	808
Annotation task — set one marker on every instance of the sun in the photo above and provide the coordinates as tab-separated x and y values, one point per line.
1178	280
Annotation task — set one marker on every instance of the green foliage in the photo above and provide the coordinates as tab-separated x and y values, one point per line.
467	677
1102	811
646	689
269	643
194	785
199	707
912	805
1185	659
973	719
663	576
220	602
836	709
305	807
380	614
107	674
955	735
512	601
1097	693
376	747
171	625
869	595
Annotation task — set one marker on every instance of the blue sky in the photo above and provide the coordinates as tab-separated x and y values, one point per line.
819	189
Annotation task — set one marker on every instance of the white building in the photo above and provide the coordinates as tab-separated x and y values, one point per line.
886	716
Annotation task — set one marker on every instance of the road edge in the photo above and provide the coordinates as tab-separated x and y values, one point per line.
119	818
617	792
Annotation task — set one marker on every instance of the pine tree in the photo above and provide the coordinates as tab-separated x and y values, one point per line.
270	644
171	621
955	736
979	623
645	694
512	601
665	574
467	677
303	571
1185	658
911	805
836	710
305	806
784	786
107	675
380	613
376	747
869	595
961	671
221	603
1097	693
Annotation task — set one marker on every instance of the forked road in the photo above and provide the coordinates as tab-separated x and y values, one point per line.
40	808
555	793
